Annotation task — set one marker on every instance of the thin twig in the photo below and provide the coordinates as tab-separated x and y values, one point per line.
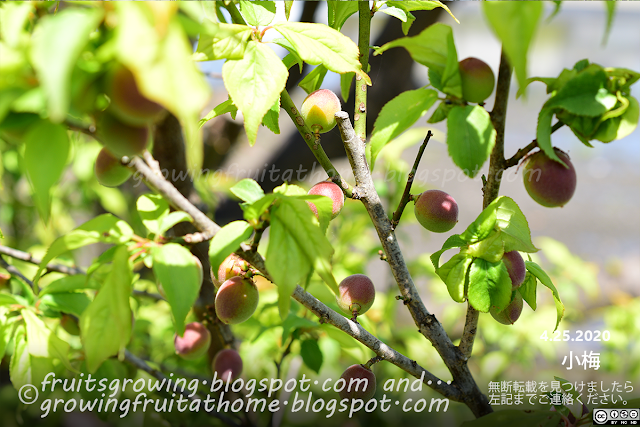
15	272
406	196
521	153
27	257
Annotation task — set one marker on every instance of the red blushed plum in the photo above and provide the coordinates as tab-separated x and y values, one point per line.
548	182
511	313
436	211
360	383
236	300
356	294
516	268
127	103
194	342
318	110
227	364
332	191
120	138
109	170
477	79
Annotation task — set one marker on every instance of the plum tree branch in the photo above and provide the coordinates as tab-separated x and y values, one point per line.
314	144
427	323
306	299
406	196
15	272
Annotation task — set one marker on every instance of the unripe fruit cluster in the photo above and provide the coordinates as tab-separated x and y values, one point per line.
436	211
332	191
318	110
194	342
123	128
547	181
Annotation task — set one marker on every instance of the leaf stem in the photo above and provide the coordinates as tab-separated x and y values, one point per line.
236	17
406	196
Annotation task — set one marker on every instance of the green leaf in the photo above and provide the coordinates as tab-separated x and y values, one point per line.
319	44
56	45
45	157
43	342
74	283
222	41
248	190
311	355
339	12
152	208
271	119
254	84
454	241
542	276
20	365
253	212
619	127
483	226
454	274
287	8
8	299
168	221
585	94
510	417
611	11
258	13
296	245
324	206
433	47
13	19
515	228
420	5
490	249
398	115
160	55
68	302
543	134
515	24
470	137
441	112
226	241
528	290
104	228
222	108
396	12
314	79
181	278
292	59
293	322
105	326
489	285
346	80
